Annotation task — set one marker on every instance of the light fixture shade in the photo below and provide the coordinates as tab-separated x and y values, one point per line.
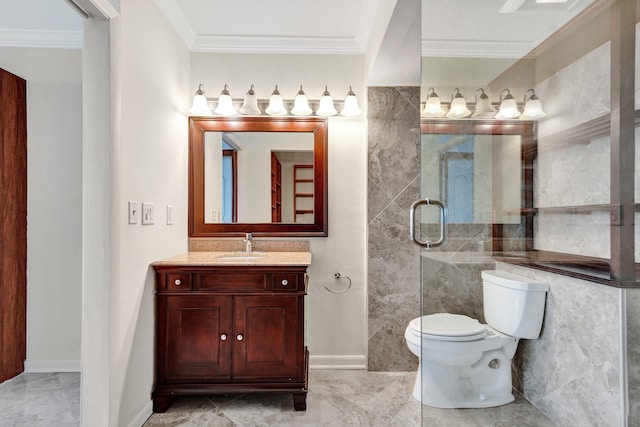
301	104
200	105
351	107
532	108
225	103
326	107
276	104
484	109
458	107
433	107
250	104
508	107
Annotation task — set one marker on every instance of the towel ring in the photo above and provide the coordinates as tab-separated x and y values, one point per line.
340	276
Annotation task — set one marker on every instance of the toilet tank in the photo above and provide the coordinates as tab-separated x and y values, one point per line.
513	305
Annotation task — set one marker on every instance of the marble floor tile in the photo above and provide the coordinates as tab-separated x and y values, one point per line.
335	399
342	398
45	400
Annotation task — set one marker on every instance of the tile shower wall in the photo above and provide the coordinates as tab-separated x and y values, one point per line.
633	354
393	261
572	371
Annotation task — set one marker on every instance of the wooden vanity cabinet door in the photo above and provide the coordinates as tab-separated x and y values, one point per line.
267	337
198	337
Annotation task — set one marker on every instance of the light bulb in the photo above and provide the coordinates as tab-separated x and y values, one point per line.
250	104
301	104
200	106
351	107
276	104
225	103
326	107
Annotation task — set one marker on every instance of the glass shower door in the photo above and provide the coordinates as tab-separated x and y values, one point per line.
475	188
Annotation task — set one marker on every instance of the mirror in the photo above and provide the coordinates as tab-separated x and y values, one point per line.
263	175
482	171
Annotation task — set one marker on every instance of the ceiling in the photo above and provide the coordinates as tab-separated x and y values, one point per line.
460	28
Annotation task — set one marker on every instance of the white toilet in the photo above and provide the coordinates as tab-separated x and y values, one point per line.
465	364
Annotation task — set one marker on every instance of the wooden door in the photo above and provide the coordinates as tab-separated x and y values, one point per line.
13	225
198	338
267	330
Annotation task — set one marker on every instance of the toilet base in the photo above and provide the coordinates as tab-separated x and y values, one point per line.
468	401
480	386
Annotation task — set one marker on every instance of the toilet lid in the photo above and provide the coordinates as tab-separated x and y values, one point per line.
449	327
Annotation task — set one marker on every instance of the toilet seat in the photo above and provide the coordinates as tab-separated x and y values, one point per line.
448	327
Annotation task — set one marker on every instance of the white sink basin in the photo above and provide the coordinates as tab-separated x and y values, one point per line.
241	256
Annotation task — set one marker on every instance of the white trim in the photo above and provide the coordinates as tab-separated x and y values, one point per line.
272	44
106	9
358	362
41	38
142	416
38	366
475	48
177	19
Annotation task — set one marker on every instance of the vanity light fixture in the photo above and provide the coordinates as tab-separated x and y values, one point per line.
276	104
225	103
433	107
301	104
484	109
458	109
508	106
326	107
250	104
532	107
351	107
200	106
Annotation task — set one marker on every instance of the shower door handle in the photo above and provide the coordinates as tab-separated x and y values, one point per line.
412	222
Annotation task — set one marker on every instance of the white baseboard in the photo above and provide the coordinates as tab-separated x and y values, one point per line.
38	366
338	362
143	415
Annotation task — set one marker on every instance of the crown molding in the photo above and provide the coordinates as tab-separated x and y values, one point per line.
41	38
271	44
475	49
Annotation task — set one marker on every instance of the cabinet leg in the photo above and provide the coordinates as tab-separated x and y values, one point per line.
300	401
161	403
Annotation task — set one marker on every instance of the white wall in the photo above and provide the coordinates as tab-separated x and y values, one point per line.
54	152
149	164
336	323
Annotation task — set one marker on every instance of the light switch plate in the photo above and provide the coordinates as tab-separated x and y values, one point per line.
169	215
134	212
148	213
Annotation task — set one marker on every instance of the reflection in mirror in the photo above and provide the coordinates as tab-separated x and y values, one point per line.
261	175
258	177
483	172
478	176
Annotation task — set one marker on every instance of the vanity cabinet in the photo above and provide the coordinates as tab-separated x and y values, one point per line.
224	329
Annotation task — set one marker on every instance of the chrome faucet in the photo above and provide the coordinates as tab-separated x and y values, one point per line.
248	245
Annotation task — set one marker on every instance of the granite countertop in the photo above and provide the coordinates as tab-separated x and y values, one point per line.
256	258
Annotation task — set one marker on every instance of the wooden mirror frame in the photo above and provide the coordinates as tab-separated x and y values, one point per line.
197	128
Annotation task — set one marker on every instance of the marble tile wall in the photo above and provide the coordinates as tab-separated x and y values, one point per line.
572	371
452	282
393	261
633	354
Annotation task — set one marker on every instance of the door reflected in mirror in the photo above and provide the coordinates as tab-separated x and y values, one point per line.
259	177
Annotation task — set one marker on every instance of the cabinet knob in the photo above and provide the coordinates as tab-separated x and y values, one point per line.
178	282
239	337
223	337
285	282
